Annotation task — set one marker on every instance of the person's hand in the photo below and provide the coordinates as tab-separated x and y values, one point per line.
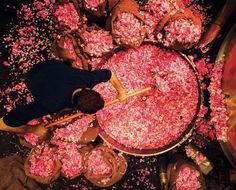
39	129
122	96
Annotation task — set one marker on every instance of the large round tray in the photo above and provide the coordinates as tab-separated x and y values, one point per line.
183	137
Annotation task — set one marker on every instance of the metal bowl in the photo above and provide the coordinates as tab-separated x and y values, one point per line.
156	151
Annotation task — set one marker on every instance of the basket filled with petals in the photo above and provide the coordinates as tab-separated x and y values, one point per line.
126	24
99	8
95	41
103	167
179	31
42	164
184	175
67	15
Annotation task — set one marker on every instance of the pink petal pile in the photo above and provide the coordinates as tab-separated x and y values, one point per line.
155	118
188	179
31	138
67	15
96	164
97	42
154	11
42	161
93	4
181	30
72	132
158	8
128	28
219	116
71	159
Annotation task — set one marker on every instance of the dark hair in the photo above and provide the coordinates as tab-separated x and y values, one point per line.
88	101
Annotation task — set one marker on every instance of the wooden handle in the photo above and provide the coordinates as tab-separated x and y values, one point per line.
217	24
106	104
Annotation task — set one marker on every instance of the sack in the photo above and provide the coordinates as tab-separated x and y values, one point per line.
125	6
168	18
116	162
12	175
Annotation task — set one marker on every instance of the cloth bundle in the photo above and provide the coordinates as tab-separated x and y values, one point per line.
67	48
12	175
117	163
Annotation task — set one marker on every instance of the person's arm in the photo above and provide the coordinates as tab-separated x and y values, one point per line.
118	86
16	120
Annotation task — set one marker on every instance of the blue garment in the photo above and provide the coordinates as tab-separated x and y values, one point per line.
52	84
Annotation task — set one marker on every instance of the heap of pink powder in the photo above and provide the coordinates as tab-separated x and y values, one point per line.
158	117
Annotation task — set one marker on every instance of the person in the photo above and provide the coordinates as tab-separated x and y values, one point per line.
56	86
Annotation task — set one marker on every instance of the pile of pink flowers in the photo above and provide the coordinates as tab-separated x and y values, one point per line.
154	11
72	132
97	42
31	138
155	118
129	29
42	161
67	15
96	164
181	30
219	116
71	159
188	179
159	8
93	4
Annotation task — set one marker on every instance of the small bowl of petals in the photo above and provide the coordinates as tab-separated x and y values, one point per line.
158	120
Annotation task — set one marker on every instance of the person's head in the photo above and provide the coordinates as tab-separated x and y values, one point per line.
88	101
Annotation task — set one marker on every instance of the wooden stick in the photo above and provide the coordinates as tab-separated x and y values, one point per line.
106	104
218	23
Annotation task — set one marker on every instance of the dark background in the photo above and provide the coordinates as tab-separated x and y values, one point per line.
218	179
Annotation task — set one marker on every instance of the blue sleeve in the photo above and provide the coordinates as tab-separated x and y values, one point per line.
102	75
22	114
